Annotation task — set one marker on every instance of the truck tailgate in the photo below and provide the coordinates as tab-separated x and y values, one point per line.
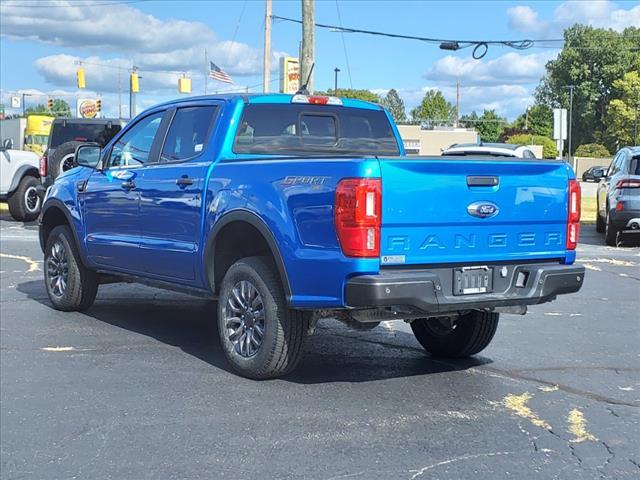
465	211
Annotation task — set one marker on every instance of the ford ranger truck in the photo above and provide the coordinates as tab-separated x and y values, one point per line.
288	209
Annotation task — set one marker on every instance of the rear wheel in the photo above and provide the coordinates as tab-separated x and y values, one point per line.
456	337
610	231
260	336
25	201
600	225
70	286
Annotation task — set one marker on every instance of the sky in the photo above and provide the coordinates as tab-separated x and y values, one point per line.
41	42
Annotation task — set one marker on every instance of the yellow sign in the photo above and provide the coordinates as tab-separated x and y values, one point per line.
88	108
184	85
289	75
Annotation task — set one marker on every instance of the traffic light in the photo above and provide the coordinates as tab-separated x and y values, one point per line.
49	104
98	105
80	78
135	85
184	85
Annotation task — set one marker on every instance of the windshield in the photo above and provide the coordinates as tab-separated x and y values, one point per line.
82	132
37	139
284	129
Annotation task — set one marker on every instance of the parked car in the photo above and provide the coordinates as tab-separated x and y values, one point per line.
287	209
494	149
618	199
66	135
593	174
20	182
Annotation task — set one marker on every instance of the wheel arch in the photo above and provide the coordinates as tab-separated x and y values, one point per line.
55	213
20	173
241	219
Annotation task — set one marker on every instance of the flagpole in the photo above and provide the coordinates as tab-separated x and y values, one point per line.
206	71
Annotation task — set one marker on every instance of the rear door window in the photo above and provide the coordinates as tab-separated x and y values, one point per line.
189	132
100	133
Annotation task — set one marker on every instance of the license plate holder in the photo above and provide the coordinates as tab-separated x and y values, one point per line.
472	280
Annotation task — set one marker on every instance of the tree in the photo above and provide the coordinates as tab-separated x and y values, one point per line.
549	149
594	150
434	109
489	125
395	105
622	112
538	120
592	59
60	109
366	95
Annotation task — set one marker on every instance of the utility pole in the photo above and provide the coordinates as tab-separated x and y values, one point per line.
119	92
335	81
266	72
206	71
308	43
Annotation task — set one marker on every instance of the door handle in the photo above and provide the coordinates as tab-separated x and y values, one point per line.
184	182
128	185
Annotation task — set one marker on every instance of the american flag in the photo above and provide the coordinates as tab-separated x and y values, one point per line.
218	74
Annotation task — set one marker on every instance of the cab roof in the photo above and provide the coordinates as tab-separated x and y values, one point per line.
255	98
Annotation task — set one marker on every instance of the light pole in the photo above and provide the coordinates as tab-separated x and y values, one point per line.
335	80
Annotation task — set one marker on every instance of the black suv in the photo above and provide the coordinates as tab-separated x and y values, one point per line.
66	134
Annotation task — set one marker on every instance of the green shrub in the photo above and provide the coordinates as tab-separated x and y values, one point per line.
549	149
592	150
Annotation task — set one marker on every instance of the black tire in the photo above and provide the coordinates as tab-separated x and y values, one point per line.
25	201
283	329
610	232
471	334
81	286
600	225
62	159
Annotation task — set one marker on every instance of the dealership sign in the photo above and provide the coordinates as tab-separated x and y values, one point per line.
88	108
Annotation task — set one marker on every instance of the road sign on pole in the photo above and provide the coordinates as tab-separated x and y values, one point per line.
559	123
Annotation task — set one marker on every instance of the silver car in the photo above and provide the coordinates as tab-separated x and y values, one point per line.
619	195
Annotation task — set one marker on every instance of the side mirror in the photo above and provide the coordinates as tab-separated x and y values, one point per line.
7	144
88	155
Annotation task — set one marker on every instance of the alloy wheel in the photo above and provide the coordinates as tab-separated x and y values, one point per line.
31	199
244	318
57	269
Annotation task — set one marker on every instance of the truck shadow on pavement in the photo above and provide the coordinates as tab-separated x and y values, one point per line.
334	353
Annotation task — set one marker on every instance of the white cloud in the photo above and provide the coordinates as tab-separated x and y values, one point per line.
140	39
597	13
508	69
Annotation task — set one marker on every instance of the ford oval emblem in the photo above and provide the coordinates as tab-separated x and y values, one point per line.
483	209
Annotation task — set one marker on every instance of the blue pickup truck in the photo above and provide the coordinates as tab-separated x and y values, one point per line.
289	209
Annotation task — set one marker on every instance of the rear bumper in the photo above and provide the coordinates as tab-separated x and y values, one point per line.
431	290
621	220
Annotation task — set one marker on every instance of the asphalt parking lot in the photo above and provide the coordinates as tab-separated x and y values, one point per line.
137	388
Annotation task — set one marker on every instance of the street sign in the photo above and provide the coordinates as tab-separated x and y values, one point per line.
289	75
559	123
16	102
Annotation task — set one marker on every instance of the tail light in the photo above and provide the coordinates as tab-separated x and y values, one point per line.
316	99
43	165
357	216
573	222
627	183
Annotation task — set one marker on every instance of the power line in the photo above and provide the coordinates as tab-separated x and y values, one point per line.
40	4
480	47
344	45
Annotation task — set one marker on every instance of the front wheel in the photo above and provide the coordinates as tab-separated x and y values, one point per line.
456	337
70	286
260	336
25	201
